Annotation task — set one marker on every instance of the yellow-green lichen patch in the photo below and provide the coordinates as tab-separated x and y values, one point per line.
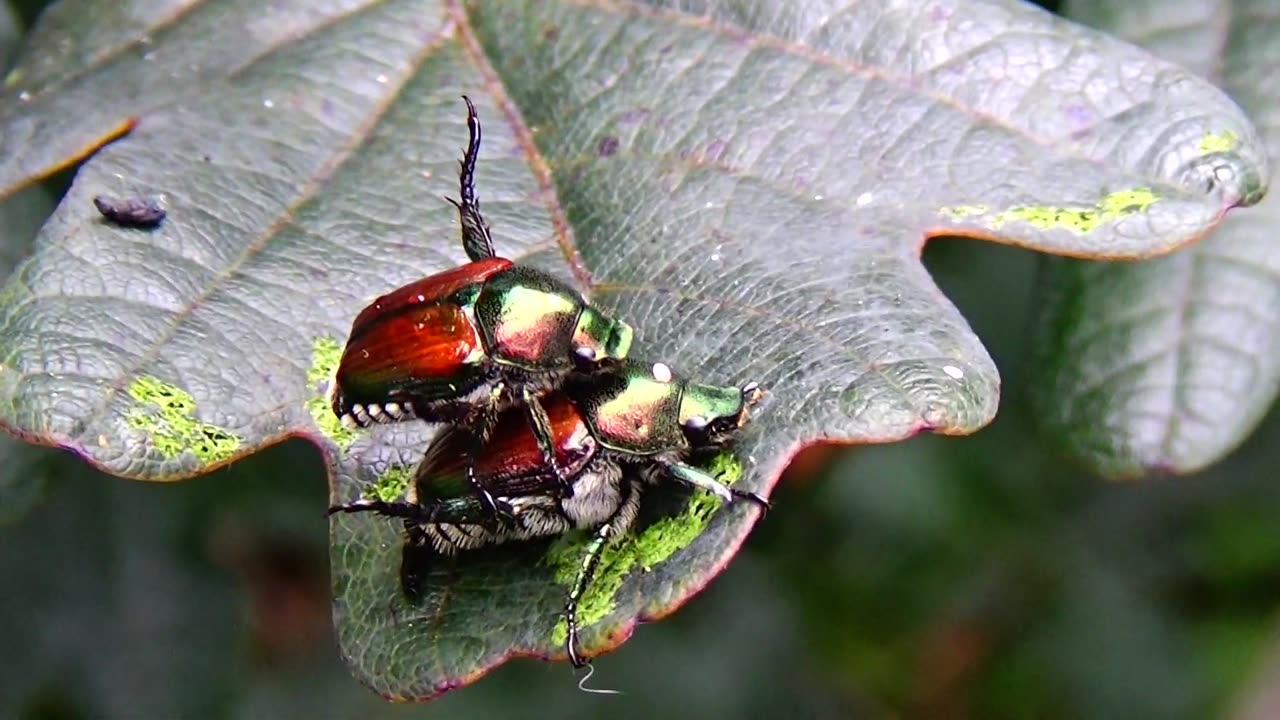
662	539
646	549
390	485
960	212
1217	143
325	354
167	415
1080	219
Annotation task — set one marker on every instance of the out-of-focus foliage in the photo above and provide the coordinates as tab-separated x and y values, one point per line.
1167	365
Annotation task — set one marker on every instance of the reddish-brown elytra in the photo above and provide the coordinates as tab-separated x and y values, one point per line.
611	433
461	345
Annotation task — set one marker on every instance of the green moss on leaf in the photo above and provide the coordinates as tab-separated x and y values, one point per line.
325	353
166	413
646	549
960	212
1076	219
1216	143
390	485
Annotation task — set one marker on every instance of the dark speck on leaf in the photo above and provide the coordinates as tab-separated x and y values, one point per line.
608	145
550	33
130	212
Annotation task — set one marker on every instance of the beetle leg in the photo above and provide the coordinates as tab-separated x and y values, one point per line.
408	511
476	240
497	513
415	560
612	527
541	425
697	478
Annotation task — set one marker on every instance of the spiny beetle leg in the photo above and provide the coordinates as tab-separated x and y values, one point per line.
764	505
698	479
613	527
541	425
408	511
476	240
586	573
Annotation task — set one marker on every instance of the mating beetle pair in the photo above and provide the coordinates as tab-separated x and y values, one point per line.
612	432
550	427
461	345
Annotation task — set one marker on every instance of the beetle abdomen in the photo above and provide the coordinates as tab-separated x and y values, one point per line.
431	290
512	463
421	353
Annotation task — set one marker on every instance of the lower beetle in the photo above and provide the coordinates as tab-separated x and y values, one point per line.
461	345
613	432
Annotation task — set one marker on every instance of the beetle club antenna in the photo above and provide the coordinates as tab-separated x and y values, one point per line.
476	240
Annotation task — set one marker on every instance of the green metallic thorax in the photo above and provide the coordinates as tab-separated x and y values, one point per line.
631	410
535	322
528	320
636	414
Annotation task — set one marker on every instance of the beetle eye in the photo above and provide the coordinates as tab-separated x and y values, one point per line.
697	422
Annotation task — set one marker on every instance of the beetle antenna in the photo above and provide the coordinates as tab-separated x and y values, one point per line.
476	240
582	684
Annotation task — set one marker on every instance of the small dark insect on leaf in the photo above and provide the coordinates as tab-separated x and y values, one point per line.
130	212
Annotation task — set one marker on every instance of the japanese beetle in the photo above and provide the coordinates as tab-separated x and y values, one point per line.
613	432
461	345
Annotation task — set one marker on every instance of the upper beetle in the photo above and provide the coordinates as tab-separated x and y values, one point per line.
613	431
461	345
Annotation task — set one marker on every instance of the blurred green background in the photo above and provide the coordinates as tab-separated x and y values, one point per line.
975	577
